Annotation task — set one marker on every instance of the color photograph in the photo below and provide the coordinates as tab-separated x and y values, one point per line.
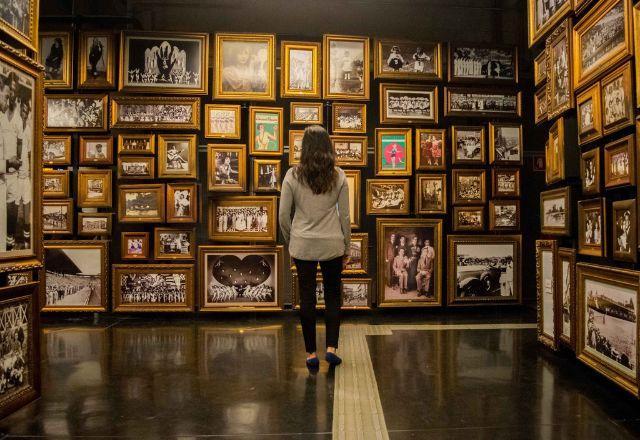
393	152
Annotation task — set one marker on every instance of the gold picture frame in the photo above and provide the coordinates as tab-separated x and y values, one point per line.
57	217
589	110
222	180
354	110
610	87
136	167
546	284
423	197
182	203
135	112
138	144
566	296
430	157
555	211
350	156
269	181
56	150
619	156
504	220
501	144
261	141
313	113
386	188
592	211
94	76
482	57
387	142
55	121
357	305
174	251
590	171
398	114
140	240
482	102
540	68
222	129
505	182
94	188
46	40
554	153
51	189
624	234
220	225
354	84
476	194
129	212
97	230
28	36
185	165
295	146
307	89
540	105
462	147
89	153
358	263
409	70
354	178
537	30
468	218
560	96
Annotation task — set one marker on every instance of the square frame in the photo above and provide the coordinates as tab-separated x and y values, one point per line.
455	129
495	190
66	160
158	255
457	199
84	175
68	227
493	204
145	250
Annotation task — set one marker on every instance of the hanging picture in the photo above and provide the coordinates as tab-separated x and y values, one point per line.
56	150
619	162
97	60
243	218
174	243
266	175
546	267
477	102
388	197
354	178
136	144
136	167
96	150
55	50
559	84
468	218
94	188
589	114
358	262
566	295
625	241
19	20
75	113
349	118
469	187
300	72
483	63
57	216
540	68
265	131
408	104
617	100
295	146
555	211
505	182
222	121
356	293
142	203
155	112
431	194
469	143
554	153
345	67
94	223
177	155
55	184
226	167
134	245
350	151
431	149
407	60
393	152
544	15
590	171
307	113
591	227
540	105
182	203
504	215
505	144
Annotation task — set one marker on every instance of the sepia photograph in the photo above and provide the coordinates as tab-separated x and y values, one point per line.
505	182
226	167
474	102
354	177
174	244
94	223
55	51
469	187
177	155
141	203
55	183
479	63
540	105
505	144
469	142
431	149
345	67
546	268
19	278
141	144
566	295
407	60
555	211
266	175
134	245
540	69
94	188
617	99
358	262
136	167
295	146
96	150
625	242
19	19
155	112
96	69
350	151
75	113
182	203
554	153
356	293
408	104
265	131
504	215
388	197
307	113
619	162
222	121
393	152
431	194
589	114
468	218
243	218
559	71
544	15
349	118
56	150
300	69
590	171
57	216
591	227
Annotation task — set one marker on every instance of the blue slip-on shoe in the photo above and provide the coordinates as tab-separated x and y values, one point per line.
313	363
333	358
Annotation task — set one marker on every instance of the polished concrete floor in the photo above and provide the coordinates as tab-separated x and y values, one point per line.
422	376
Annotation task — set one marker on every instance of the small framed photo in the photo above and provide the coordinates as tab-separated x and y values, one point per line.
589	115
345	67
177	155
540	105
356	293
388	197
306	113
55	184
134	245
554	153
155	112
57	216
349	118
504	215
96	150
75	113
358	263
431	149
482	102
477	63
56	55
544	16
540	69
174	244
468	218
469	187
546	266
266	175
619	162
226	167
136	167
566	295
408	60
560	95
469	143
354	178
265	131
95	224
408	104
300	72
97	66
591	227
505	182
19	278
139	144
295	146
590	171
94	188
625	241
222	121
143	203
243	218
616	90
350	151
555	211
393	152
182	203
56	150
431	194
505	144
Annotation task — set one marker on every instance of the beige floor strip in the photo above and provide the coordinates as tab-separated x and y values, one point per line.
357	410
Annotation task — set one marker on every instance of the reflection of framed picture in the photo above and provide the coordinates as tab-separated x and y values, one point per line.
505	144
607	322
266	175
153	287
476	63
76	276
625	241
23	27
540	105
155	112
469	187
141	203
222	121
243	218
591	227
345	67
56	55
174	243
96	150
182	203
300	72
544	15
408	104
349	118
619	162
554	153
57	216
590	171
64	113
94	188
555	211
295	146
306	113
479	102
469	144
617	100
356	293
431	149
226	167
164	62
431	194
546	266
265	131
505	182
484	270
134	245
136	167
388	196
350	151
393	152
559	84
358	263
566	296
97	67
468	218
245	67
55	183
409	262
589	114
136	144
94	223
177	155
504	215
240	277
353	180
407	60
540	69
56	150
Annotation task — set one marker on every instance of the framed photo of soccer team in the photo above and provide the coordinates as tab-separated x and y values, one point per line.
350	151
408	104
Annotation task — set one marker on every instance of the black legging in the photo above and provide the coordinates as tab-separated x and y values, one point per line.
331	276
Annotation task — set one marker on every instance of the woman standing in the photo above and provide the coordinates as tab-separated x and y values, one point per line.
316	192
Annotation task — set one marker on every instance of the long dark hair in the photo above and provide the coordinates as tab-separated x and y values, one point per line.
317	168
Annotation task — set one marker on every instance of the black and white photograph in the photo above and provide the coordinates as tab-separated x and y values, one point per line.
350	150
625	242
591	227
408	104
136	144
504	215
617	99
56	55
241	219
468	218
356	293
345	67
56	150
407	60
587	117
97	65
591	171
471	102
268	175
19	278
349	118
57	216
358	252
157	288
174	243
302	113
182	200
507	183
227	168
93	224
469	144
76	112
560	84
96	150
136	167
603	37
468	187
15	347
545	10
475	63
55	184
142	114
300	69
505	143
222	121
387	196
141	203
431	194
19	16
623	226
554	214
164	62
176	156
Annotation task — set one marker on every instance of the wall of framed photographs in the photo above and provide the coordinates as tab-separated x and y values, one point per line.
587	268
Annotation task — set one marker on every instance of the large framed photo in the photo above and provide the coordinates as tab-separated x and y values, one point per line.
544	15
592	227
265	131
619	162
356	293
96	69
469	142
350	151
590	171
182	203
266	175
555	211
504	215
559	84
155	112
226	167
607	327
358	263
617	99
468	218
484	270
174	243
554	153
601	39
407	60
307	113
345	67
505	182
240	277
136	167
431	148
349	118
505	144
409	262
625	235
94	188
566	296
540	68
76	276
134	245
353	181
388	196
94	224
476	102
153	287
142	144
546	267
69	113
57	216
408	104
56	150
589	114
55	183
56	55
393	152
476	63
142	203
95	150
540	105
469	187
177	155
245	67
300	69
222	121
164	62
431	194
243	218
19	20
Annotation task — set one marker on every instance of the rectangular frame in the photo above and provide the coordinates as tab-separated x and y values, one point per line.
537	33
63	176
361	107
588	249
157	188
135	122
441	153
109	82
549	340
145	250
285	69
594	187
424	90
456	198
624	73
148	160
459	210
627	226
158	255
327	40
237	111
341	160
558	103
253	150
487	93
592	129
479	78
68	229
495	190
371	210
149	138
164	172
84	175
83	158
277	164
454	144
407	134
193	202
66	139
564	193
379	57
567	255
85	215
494	140
268	202
68	51
241	151
103	99
318	106
627	143
492	215
554	160
419	196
